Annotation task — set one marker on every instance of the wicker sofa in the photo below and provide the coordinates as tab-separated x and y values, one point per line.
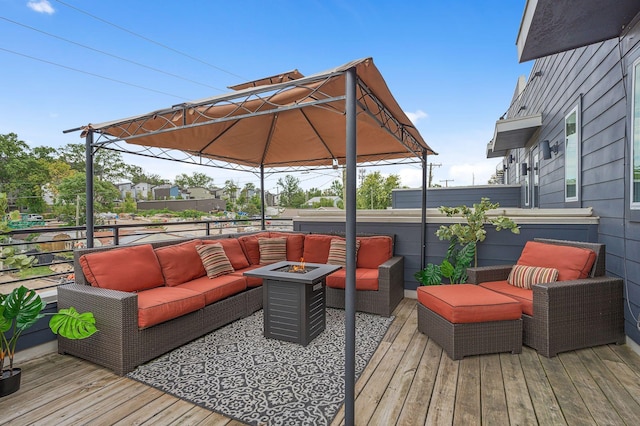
568	314
140	318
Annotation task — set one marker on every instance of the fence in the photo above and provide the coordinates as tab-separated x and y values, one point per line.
53	246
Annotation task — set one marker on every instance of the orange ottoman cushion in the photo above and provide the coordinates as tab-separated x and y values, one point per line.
366	279
468	303
572	263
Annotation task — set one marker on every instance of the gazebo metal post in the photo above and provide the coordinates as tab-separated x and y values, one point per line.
350	234
262	205
423	222
89	192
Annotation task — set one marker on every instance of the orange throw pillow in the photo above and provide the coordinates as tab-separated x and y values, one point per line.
572	263
125	269
180	262
526	276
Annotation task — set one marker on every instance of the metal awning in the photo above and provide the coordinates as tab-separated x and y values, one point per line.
514	133
552	26
494	154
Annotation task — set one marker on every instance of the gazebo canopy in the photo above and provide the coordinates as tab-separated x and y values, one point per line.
284	121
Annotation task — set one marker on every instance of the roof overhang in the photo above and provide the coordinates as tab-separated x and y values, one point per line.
494	154
552	26
513	133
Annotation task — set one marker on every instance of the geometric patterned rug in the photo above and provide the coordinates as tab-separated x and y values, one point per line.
237	372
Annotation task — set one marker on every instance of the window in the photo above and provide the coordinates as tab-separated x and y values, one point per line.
635	138
571	155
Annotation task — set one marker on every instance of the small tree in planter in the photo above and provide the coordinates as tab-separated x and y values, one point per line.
463	238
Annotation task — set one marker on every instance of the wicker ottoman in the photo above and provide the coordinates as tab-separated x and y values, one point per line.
465	319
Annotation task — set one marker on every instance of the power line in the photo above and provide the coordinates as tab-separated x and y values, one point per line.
150	40
91	74
110	54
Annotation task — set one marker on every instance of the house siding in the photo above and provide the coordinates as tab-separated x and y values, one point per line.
597	78
505	195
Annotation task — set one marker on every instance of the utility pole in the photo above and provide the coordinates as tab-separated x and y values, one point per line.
431	166
446	182
362	173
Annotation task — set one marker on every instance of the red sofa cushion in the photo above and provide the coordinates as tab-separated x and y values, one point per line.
468	303
180	262
522	295
250	246
572	263
316	248
217	288
251	281
233	250
161	304
374	251
366	279
295	244
125	269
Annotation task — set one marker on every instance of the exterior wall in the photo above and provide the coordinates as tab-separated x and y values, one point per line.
597	78
506	195
199	193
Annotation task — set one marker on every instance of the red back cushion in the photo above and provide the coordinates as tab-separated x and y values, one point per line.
571	262
125	269
233	250
374	251
316	248
249	244
295	244
180	262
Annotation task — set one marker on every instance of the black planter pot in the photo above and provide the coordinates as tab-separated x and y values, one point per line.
10	383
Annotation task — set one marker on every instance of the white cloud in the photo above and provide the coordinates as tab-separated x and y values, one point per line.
41	6
416	116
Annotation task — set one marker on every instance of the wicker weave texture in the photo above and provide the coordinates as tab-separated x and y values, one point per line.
460	340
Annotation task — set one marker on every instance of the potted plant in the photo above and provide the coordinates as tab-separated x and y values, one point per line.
464	238
19	310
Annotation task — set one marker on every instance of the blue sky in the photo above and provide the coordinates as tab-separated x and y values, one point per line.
452	66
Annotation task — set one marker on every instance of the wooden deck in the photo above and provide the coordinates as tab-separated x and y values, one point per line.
409	381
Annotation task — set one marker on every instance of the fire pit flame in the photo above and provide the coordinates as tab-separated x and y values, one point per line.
298	268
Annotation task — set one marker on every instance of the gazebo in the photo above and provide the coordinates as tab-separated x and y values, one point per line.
336	118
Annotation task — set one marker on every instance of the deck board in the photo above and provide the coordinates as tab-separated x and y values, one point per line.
409	381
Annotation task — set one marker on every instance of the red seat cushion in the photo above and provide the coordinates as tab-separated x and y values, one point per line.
522	295
217	288
161	304
366	279
374	251
572	263
251	281
125	269
180	262
233	250
468	303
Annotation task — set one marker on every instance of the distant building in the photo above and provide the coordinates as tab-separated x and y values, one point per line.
166	192
200	193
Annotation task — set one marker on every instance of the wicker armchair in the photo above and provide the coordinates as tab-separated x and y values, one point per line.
569	315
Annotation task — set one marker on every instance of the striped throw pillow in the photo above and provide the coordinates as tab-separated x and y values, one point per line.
272	250
338	252
214	260
525	276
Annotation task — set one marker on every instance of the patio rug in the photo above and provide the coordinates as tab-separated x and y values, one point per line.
238	373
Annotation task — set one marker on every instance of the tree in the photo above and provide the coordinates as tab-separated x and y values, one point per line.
129	204
73	190
107	164
137	175
375	191
196	179
335	189
291	195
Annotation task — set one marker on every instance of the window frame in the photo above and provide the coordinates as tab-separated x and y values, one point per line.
575	110
633	205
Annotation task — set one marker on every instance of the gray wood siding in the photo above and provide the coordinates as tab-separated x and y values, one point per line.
598	77
506	195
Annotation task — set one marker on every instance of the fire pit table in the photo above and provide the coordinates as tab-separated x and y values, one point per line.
293	299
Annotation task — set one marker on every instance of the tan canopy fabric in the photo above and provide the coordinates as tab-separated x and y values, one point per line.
299	121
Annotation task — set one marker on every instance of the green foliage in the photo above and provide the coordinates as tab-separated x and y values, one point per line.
464	238
23	307
375	191
291	194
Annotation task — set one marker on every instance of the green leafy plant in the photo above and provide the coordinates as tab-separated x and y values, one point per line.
22	308
464	239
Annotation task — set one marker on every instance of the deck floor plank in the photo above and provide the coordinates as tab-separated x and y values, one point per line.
544	401
409	381
468	410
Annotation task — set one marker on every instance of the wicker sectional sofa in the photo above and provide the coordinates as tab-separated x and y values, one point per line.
149	299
